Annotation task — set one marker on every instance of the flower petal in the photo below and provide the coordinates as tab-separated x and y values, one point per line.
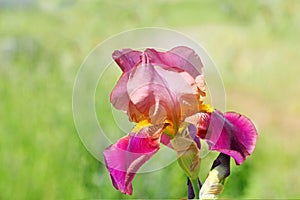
232	134
166	140
241	133
157	93
127	58
184	87
151	95
119	96
237	138
124	158
183	58
161	94
179	57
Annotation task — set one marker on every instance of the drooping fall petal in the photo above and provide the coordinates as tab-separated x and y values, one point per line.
124	158
237	138
232	134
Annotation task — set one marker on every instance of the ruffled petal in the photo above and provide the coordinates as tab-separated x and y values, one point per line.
161	94
232	134
182	58
127	58
155	86
124	158
238	138
179	57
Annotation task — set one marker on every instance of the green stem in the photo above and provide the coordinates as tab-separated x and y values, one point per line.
195	187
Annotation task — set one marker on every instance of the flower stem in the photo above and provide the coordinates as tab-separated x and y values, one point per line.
195	187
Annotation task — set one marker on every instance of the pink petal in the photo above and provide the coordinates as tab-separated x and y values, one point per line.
127	58
119	96
179	57
156	93
184	87
232	134
151	95
124	158
161	94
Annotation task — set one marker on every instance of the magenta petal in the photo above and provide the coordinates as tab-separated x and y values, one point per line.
234	135
180	57
124	158
127	58
166	140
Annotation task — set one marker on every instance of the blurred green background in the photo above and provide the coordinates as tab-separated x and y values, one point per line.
255	45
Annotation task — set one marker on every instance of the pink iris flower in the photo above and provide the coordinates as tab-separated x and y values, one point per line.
163	93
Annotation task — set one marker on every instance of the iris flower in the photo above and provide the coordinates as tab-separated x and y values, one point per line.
163	93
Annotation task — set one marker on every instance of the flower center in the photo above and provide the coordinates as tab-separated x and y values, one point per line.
206	108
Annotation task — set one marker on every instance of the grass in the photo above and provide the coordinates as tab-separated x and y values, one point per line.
254	44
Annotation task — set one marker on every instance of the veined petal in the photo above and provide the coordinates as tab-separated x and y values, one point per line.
183	58
184	87
155	86
127	58
179	57
232	134
151	95
238	138
124	158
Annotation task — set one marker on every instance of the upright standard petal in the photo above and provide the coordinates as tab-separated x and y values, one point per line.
124	158
119	96
180	57
127	58
151	95
158	89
